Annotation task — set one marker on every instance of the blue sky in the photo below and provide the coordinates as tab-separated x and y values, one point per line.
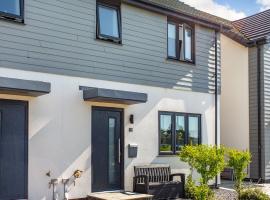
230	9
249	7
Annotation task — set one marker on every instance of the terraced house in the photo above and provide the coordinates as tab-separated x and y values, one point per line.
100	86
245	92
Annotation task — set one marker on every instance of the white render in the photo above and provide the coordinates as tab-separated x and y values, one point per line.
234	94
60	129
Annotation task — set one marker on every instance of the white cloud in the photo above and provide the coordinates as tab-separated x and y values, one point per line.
265	4
210	6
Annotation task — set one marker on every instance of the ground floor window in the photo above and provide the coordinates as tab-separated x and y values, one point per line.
177	130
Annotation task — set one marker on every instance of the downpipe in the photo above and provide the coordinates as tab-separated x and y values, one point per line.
216	96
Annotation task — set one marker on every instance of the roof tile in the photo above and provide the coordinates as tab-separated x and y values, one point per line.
254	27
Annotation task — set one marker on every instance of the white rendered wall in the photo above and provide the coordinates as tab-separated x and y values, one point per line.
234	94
60	129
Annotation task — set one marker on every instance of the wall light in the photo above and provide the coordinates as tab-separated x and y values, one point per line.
131	119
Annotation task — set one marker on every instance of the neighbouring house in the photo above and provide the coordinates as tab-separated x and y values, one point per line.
245	91
102	86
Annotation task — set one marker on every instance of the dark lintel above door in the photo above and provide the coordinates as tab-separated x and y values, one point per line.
23	87
113	96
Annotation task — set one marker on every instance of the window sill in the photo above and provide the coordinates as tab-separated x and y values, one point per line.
181	61
108	40
17	21
9	18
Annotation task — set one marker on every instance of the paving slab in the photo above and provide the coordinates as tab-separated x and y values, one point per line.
119	196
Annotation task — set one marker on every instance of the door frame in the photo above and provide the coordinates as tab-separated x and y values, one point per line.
26	142
122	141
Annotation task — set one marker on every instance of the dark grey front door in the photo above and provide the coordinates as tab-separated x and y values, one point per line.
13	149
106	149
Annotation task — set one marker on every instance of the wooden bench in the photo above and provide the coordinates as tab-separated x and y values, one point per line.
158	181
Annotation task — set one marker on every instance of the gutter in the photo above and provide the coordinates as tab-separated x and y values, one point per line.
260	41
235	37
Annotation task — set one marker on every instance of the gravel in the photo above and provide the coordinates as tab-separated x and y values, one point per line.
225	194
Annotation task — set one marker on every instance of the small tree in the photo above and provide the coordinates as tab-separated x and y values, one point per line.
208	161
238	160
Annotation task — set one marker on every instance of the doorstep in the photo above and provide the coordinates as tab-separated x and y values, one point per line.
119	196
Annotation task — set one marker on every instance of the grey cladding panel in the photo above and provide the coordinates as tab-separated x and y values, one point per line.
253	112
59	38
265	110
266	136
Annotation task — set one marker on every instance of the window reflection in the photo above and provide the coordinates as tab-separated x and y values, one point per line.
180	132
193	128
165	133
10	7
108	21
188	44
171	40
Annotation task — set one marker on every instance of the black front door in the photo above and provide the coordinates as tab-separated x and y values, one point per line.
106	149
13	149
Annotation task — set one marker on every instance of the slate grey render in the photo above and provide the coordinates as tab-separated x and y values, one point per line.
114	96
24	87
259	112
59	37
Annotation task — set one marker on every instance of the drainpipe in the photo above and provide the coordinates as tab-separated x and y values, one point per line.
259	111
216	96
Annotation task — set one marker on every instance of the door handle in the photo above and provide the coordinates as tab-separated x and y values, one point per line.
119	151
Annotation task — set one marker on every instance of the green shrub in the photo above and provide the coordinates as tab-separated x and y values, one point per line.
253	194
201	192
239	161
190	188
208	162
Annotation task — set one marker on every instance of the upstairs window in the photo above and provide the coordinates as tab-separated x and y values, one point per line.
108	21
12	9
177	130
181	42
